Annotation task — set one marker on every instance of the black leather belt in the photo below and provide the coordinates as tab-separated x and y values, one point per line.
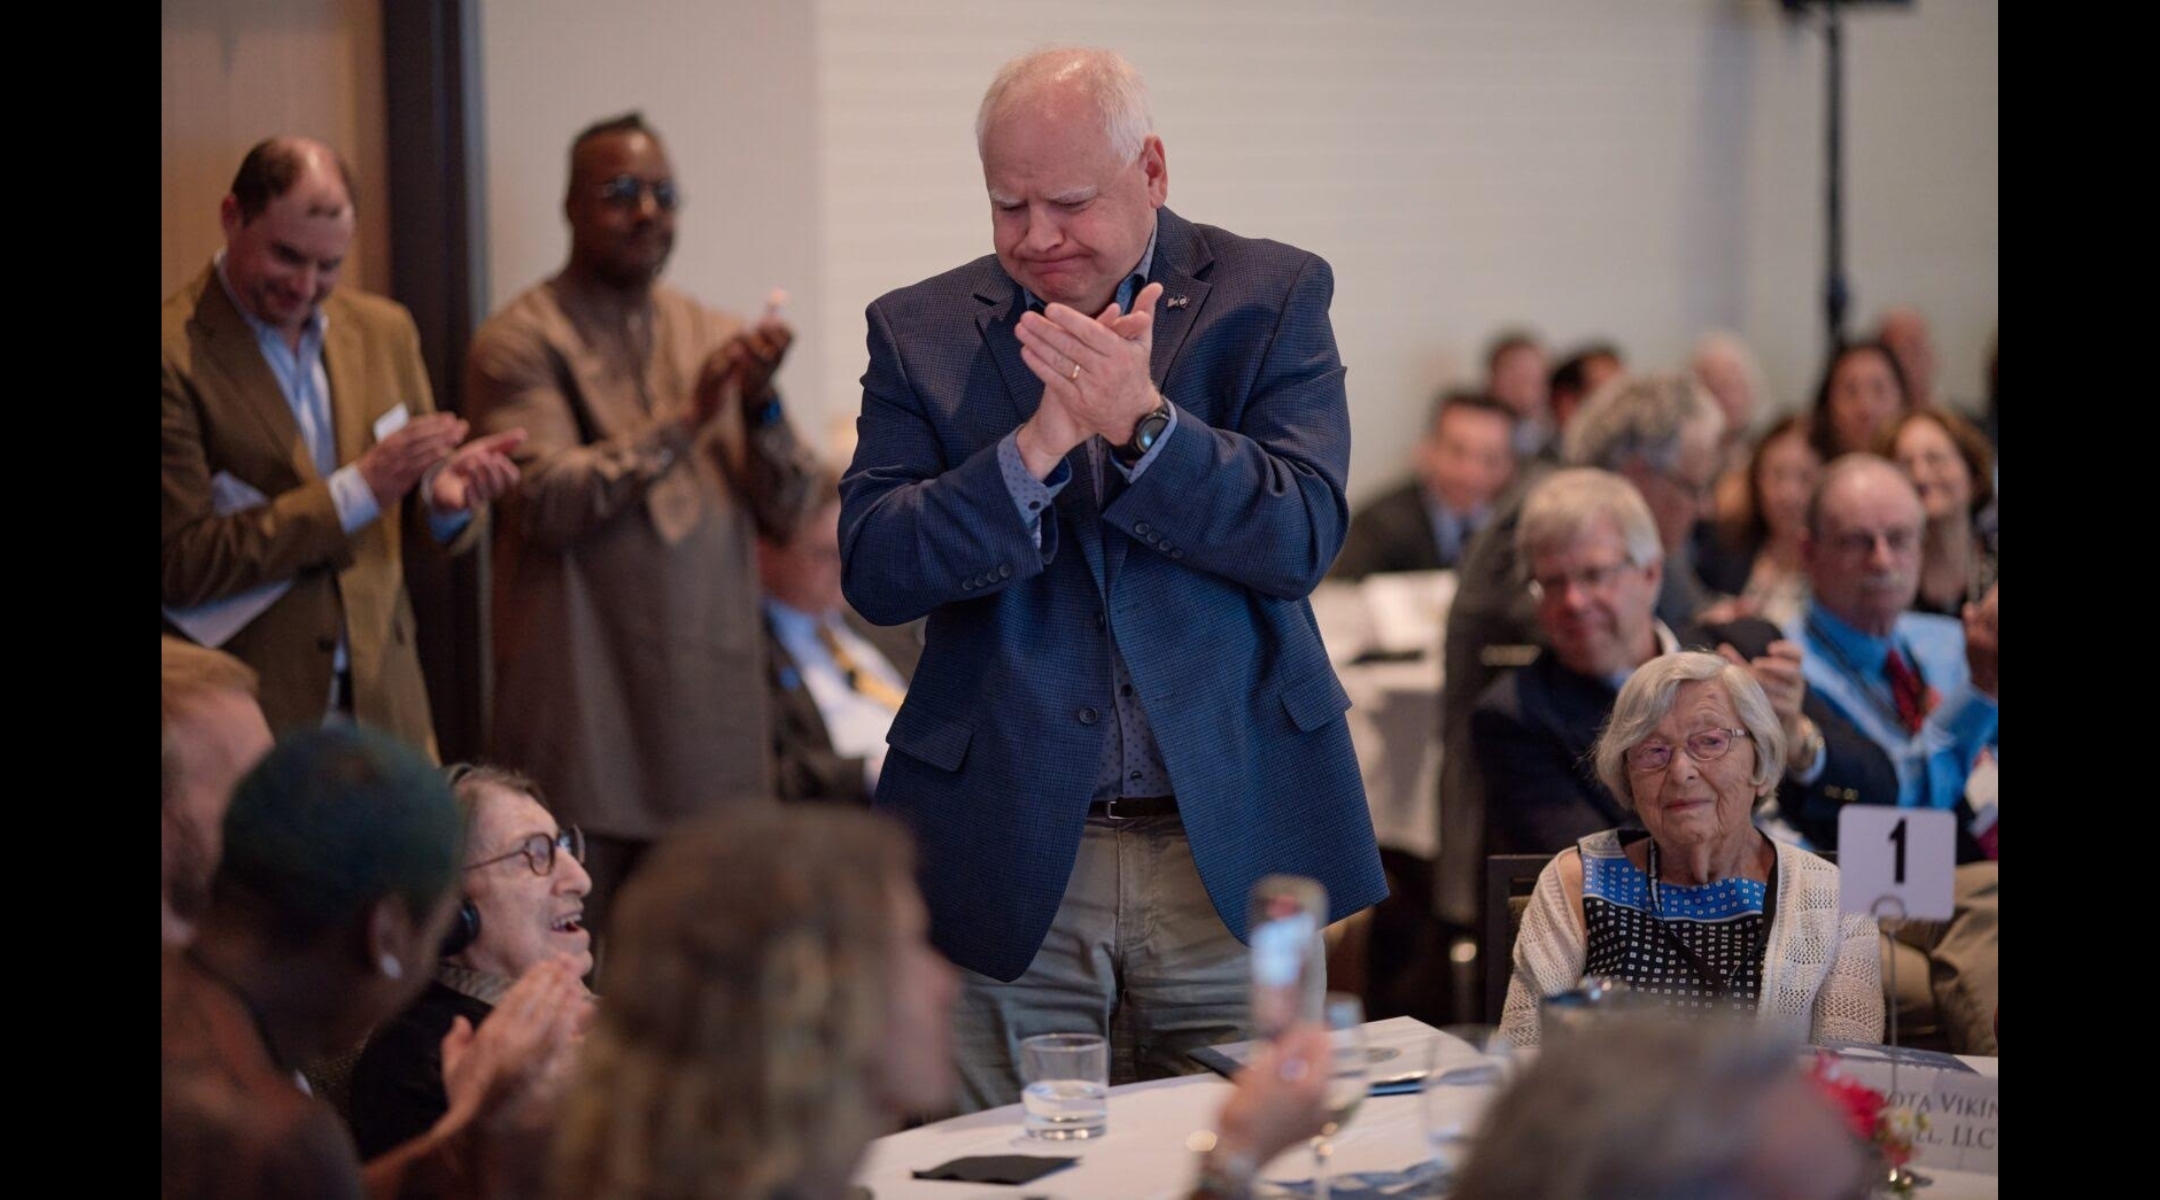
1131	808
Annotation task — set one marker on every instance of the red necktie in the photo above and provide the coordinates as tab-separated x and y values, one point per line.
1913	697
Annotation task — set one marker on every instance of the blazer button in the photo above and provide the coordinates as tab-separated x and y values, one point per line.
1177	554
1141	529
1004	570
967	585
1102	620
326	643
1088	716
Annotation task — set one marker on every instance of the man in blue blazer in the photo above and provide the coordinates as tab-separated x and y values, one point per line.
1107	463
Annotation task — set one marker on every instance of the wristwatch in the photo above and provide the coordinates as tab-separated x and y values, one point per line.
1145	434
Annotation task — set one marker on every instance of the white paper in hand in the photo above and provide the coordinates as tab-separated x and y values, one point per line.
1909	854
392	421
214	622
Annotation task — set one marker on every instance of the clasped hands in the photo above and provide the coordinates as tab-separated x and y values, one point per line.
1095	376
742	366
472	475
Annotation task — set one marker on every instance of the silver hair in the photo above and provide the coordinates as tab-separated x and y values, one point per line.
1645	1107
1727	344
1639	416
1566	504
1647	697
1120	95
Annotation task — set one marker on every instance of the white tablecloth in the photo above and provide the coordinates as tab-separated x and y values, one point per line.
1145	1156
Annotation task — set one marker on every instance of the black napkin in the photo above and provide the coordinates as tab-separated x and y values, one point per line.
997	1168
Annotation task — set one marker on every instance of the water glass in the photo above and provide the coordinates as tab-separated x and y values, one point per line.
1067	1092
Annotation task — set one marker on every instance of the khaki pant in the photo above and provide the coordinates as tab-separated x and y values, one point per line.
1136	952
1960	955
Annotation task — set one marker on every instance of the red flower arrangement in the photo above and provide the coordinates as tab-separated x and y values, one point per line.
1867	1112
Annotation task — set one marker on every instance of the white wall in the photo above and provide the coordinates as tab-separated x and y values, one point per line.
731	89
1640	171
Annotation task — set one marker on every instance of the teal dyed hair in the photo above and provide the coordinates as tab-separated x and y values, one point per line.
330	822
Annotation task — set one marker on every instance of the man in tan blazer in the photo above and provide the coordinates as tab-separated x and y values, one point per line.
295	420
629	659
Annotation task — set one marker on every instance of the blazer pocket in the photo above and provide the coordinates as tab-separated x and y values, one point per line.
1315	700
930	737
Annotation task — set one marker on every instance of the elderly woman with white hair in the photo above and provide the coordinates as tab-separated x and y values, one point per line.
1702	913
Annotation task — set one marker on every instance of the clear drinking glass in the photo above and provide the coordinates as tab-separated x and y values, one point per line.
1464	1064
1348	1078
1067	1092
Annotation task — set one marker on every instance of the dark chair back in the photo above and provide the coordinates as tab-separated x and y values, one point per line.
1509	881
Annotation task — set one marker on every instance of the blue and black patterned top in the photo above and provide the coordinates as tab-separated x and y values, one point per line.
1697	948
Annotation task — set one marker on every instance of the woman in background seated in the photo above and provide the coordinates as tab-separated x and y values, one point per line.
1756	551
774	1003
522	902
1702	913
1952	468
1862	392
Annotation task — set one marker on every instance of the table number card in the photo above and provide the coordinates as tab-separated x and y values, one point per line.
1906	854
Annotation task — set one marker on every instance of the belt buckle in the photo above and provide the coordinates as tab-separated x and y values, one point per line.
1110	812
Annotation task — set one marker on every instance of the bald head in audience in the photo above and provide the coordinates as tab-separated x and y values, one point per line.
213	732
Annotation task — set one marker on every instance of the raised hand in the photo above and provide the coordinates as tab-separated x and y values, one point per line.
393	465
478	472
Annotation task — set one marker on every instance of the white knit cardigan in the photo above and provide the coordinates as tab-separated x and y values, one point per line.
1821	981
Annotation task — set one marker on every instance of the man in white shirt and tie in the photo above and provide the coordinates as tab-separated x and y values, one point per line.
835	679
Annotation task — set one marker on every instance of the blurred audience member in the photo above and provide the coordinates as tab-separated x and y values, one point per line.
1904	332
835	679
1754	548
1724	365
1704	915
1593	564
1925	689
1463	462
521	904
1575	380
1660	432
628	652
775	1003
1644	1109
1862	392
1923	686
337	882
1953	468
213	734
1515	376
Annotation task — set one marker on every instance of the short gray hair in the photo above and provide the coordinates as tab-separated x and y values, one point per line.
1639	416
1566	504
1648	696
1120	95
1649	1108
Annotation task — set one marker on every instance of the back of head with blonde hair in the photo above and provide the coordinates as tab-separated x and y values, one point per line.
748	965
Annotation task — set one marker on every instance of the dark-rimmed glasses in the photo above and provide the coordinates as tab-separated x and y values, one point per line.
1709	745
623	191
540	850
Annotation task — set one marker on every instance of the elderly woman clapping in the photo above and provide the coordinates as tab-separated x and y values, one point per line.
1703	913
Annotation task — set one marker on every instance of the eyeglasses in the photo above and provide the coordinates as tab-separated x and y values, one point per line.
1589	579
1862	541
623	191
1709	745
540	850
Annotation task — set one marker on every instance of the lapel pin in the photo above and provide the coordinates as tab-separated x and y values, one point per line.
1176	302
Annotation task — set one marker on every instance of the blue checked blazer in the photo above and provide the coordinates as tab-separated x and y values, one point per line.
1201	566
